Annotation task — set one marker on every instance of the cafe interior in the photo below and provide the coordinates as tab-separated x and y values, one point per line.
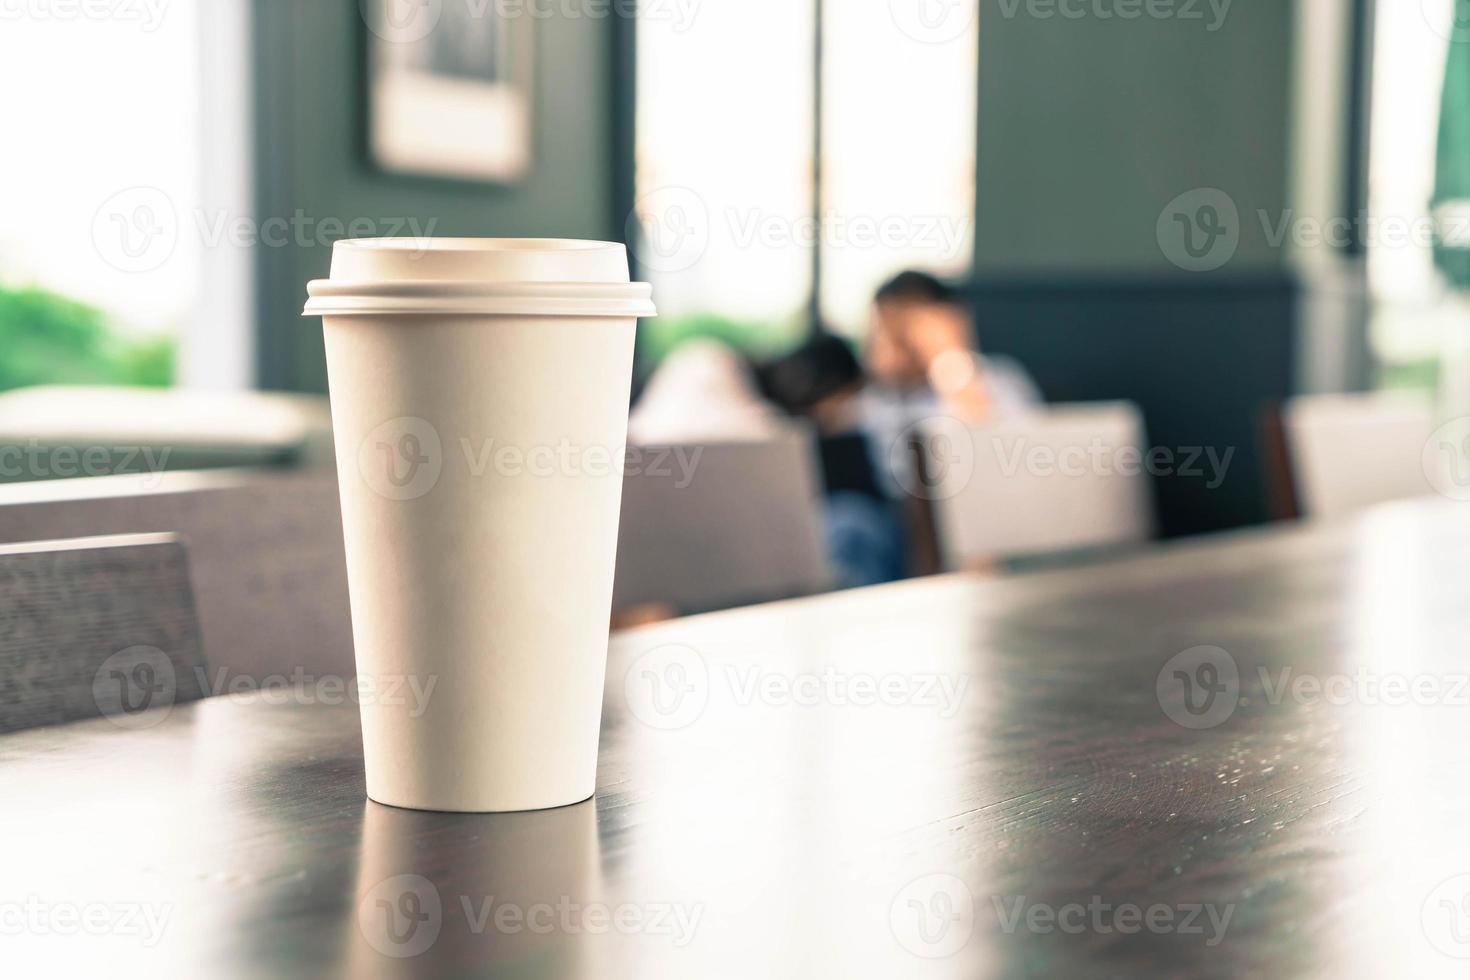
1032	547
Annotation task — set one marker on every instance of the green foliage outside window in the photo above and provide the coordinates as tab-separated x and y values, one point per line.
1419	375
756	339
49	339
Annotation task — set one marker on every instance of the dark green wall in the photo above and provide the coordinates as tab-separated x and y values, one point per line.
309	134
1089	127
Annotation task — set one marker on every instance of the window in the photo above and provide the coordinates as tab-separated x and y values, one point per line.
898	160
1410	315
727	224
108	196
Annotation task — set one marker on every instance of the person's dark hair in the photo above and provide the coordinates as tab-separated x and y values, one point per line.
919	287
822	366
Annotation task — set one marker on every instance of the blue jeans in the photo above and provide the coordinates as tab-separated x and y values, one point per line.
865	541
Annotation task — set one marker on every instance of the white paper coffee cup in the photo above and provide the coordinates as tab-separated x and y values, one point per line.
479	394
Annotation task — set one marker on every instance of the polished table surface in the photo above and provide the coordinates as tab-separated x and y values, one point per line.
1249	757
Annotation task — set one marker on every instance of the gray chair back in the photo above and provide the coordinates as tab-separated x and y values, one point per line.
1351	451
715	525
1069	478
269	569
96	627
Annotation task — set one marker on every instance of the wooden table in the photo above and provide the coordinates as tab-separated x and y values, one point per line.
948	778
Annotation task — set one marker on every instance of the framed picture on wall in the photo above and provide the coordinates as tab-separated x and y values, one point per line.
449	89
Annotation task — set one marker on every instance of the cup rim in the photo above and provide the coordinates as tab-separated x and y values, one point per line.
338	297
433	243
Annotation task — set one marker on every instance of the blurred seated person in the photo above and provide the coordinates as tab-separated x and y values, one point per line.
919	363
922	362
823	382
703	391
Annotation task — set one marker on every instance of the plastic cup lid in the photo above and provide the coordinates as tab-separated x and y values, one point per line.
507	276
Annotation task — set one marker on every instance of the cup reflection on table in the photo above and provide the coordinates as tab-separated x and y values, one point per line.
454	893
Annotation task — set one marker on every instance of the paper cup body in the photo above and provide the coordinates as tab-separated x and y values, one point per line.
480	459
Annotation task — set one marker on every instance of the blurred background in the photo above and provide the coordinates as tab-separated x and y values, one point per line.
1238	226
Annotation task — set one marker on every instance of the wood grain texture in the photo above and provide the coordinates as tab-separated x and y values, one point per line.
96	627
945	778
